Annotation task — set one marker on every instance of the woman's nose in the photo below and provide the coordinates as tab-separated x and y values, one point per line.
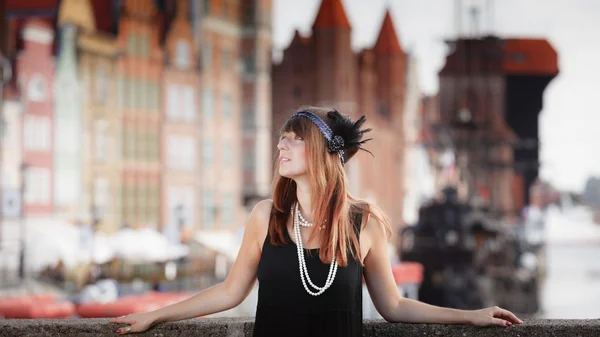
282	144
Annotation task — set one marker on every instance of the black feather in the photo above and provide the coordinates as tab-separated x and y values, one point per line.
350	131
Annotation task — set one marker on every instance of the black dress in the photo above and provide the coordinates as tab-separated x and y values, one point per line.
285	308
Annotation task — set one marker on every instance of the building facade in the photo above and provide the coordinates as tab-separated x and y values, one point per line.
255	107
217	34
139	70
180	139
490	97
35	75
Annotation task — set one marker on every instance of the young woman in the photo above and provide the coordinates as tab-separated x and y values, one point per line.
310	246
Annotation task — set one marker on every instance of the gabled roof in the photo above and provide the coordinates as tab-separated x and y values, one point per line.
331	15
530	56
387	41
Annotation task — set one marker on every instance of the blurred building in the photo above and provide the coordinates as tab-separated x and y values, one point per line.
34	73
323	70
181	137
490	96
12	156
160	110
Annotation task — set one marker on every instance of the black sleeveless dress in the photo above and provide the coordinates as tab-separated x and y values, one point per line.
285	308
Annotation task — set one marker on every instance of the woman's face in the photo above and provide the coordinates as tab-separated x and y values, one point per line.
292	155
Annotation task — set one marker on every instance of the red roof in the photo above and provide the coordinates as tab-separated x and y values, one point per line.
530	56
387	42
22	5
331	15
103	14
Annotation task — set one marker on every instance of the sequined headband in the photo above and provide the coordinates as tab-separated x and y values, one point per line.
335	143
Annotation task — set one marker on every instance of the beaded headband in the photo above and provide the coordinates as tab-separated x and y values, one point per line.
335	143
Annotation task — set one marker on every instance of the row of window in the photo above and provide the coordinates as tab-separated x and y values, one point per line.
141	201
208	107
37	133
140	94
141	144
208	153
210	212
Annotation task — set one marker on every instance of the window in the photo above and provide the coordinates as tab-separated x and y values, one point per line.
249	64
248	161
101	139
37	88
226	59
132	43
207	7
227	107
154	99
172	102
189	105
182	55
101	194
129	142
121	92
37	133
207	153
227	153
181	205
249	118
37	188
228	209
181	153
383	109
153	146
207	105
101	85
144	46
208	210
206	56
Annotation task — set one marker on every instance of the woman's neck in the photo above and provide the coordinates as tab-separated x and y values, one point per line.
303	194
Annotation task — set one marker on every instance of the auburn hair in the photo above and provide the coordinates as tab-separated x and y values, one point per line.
331	201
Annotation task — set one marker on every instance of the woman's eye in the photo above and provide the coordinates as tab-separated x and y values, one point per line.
299	138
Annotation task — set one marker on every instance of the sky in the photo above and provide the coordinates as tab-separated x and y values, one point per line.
571	112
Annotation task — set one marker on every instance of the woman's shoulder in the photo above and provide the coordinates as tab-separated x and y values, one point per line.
260	215
375	223
263	208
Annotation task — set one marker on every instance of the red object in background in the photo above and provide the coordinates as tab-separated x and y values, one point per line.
130	304
35	306
407	273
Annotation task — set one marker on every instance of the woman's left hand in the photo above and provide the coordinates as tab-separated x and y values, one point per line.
493	316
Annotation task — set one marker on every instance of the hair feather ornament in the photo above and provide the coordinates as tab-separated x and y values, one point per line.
344	136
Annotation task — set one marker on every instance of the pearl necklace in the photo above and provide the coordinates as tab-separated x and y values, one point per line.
302	263
304	222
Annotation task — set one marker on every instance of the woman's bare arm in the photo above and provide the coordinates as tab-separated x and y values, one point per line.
393	307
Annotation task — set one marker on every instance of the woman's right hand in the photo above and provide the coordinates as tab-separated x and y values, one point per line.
135	322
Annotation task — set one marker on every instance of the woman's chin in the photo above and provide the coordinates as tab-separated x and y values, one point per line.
290	174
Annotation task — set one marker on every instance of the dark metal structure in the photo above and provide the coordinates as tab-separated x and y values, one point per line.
471	260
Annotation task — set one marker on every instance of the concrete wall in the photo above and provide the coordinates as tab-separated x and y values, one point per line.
242	327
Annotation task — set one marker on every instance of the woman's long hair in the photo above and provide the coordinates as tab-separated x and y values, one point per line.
331	202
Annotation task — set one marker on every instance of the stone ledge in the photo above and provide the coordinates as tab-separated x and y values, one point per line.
242	327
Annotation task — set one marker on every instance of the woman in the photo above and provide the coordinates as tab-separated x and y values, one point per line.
310	276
